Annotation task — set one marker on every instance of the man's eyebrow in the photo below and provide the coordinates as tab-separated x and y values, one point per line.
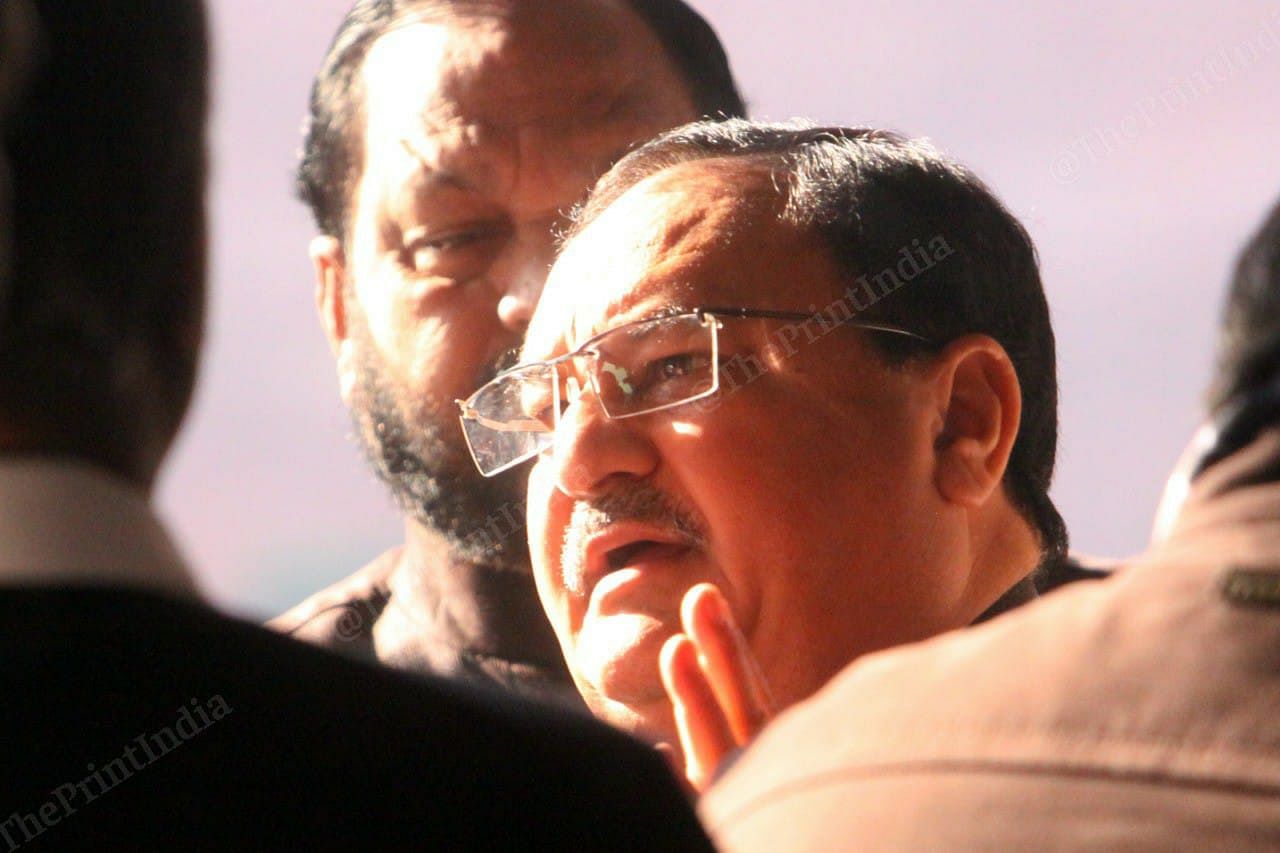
433	178
620	315
642	293
673	309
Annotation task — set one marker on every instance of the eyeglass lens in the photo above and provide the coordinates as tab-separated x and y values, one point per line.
634	369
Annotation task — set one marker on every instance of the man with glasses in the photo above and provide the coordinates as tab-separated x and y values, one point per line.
790	396
1139	713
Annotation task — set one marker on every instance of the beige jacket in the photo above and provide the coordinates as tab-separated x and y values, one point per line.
1138	712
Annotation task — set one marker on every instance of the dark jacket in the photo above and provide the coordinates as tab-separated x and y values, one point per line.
477	624
135	721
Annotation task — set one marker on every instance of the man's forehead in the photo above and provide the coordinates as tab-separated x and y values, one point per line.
674	240
463	101
507	66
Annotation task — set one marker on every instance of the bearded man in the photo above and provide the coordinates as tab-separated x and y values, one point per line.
447	139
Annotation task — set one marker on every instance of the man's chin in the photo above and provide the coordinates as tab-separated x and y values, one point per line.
617	656
416	448
651	721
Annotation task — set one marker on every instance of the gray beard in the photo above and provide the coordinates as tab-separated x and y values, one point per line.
431	476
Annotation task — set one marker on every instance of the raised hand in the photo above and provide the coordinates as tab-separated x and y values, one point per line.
718	693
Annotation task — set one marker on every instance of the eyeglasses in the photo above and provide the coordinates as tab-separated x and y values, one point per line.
634	369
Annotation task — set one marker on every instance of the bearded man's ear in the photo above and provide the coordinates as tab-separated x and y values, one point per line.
328	261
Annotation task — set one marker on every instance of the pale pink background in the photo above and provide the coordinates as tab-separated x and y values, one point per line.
1136	236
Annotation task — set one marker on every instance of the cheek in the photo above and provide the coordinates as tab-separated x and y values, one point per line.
833	531
438	339
446	355
794	503
548	515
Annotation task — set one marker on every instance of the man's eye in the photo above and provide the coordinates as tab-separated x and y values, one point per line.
426	253
678	366
681	366
456	254
671	377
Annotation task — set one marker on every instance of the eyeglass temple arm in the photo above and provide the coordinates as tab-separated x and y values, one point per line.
801	315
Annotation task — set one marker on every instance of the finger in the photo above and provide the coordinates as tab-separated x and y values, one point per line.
704	731
731	666
676	764
727	661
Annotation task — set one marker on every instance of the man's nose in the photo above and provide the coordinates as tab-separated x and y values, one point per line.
520	297
515	306
522	273
590	449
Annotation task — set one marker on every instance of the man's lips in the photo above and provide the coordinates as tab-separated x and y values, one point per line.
627	544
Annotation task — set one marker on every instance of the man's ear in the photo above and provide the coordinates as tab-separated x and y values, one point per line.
980	403
330	265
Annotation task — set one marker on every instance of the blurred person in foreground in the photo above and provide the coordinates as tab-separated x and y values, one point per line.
791	398
1140	712
136	717
446	141
15	45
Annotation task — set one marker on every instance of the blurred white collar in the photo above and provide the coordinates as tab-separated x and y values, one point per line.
1178	487
66	523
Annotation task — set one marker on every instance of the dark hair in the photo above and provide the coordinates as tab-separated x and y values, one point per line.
332	151
15	44
99	329
1249	343
880	201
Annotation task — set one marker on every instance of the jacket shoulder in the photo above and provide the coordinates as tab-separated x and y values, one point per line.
229	734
